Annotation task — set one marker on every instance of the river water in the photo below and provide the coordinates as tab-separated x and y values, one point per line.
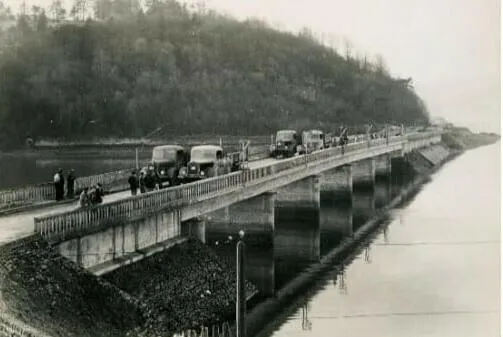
26	170
434	269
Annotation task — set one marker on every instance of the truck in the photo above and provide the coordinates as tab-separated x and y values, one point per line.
285	144
313	140
167	160
211	161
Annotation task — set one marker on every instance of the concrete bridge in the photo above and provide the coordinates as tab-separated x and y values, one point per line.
128	229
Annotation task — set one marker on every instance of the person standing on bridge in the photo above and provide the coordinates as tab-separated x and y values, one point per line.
142	181
70	184
59	184
84	198
150	180
133	183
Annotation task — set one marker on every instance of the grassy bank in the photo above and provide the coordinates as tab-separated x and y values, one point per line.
463	139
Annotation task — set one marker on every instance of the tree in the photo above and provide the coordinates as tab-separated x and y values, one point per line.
126	8
5	13
57	11
79	10
381	67
197	71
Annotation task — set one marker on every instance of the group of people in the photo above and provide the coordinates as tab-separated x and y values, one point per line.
147	182
59	184
92	196
89	195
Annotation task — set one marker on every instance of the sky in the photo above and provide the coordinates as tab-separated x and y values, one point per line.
450	48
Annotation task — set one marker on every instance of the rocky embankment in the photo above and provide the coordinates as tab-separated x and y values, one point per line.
463	139
50	293
187	286
454	142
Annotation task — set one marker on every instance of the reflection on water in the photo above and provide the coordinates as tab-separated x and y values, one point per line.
302	235
19	171
306	323
296	241
431	270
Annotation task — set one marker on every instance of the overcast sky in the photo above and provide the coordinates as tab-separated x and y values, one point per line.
449	47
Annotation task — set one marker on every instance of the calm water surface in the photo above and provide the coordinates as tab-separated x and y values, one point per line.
25	170
434	271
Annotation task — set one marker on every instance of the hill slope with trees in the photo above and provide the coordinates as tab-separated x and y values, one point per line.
129	69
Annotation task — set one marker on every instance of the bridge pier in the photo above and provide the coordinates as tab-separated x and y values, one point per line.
364	174
383	167
297	215
196	228
256	217
302	193
337	184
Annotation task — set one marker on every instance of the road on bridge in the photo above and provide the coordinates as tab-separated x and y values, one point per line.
19	225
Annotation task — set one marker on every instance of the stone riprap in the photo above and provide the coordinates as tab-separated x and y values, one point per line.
168	292
185	287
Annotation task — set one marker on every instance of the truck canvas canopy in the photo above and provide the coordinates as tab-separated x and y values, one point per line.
167	153
285	135
206	153
313	136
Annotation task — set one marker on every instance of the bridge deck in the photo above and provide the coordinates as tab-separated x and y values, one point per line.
53	220
19	225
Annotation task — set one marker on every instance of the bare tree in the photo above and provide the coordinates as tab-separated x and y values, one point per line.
381	66
57	11
348	46
80	10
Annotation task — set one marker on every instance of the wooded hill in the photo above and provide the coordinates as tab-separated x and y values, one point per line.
128	70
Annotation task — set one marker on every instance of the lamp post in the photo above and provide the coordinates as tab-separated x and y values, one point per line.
240	287
143	144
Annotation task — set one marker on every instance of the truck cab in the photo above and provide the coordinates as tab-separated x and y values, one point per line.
285	144
206	161
167	160
312	140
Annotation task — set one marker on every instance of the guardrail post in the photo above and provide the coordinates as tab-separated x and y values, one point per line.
78	258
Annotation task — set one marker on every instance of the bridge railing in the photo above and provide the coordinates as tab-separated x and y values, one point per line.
46	191
58	225
39	192
113	180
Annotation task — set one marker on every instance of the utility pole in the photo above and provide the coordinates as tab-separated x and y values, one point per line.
240	288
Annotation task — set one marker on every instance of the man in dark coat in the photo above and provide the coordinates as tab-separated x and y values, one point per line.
150	181
70	184
133	183
142	182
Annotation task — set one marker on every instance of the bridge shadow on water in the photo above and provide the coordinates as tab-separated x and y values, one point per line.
303	235
335	274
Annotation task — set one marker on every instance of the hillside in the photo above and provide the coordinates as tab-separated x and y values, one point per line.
124	75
